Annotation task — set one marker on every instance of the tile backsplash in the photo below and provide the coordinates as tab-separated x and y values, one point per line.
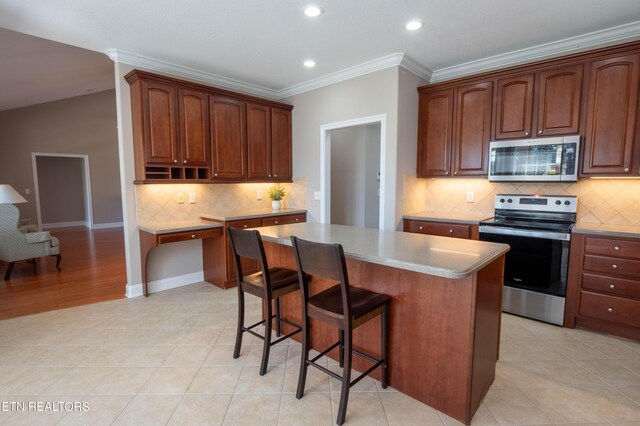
159	202
600	201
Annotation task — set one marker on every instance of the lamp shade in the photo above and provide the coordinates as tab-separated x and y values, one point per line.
8	195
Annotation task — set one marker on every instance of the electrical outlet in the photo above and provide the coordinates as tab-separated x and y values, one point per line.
192	198
471	196
316	195
258	195
27	191
180	198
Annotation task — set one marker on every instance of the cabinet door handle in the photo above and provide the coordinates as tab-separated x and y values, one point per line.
539	132
446	173
609	309
184	161
175	161
526	133
456	173
193	235
275	175
616	248
626	169
269	175
612	286
215	174
614	266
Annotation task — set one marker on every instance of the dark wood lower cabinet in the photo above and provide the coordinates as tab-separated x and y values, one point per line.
603	291
219	268
443	229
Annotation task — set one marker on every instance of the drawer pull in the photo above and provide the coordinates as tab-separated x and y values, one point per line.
297	219
612	286
614	266
244	226
609	309
420	228
451	231
275	221
193	235
616	248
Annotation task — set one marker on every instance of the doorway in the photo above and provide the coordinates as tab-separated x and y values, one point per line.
62	190
353	169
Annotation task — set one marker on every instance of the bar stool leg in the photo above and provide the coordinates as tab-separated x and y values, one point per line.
346	378
239	330
278	330
341	347
267	339
304	356
384	340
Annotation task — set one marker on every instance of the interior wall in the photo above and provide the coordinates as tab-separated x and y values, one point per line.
348	147
61	185
368	95
371	181
81	125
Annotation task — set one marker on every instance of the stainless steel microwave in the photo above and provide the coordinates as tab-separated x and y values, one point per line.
537	160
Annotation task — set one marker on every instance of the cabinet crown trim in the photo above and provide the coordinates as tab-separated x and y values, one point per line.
596	39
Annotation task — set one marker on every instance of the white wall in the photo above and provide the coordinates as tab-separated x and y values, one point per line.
371	182
348	147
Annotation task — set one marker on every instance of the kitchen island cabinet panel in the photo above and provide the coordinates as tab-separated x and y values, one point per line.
444	333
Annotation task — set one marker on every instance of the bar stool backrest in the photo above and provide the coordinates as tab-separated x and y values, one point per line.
325	261
248	244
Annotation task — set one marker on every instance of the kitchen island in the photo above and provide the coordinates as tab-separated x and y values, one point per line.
445	309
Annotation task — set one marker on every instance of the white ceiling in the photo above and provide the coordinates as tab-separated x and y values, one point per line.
264	42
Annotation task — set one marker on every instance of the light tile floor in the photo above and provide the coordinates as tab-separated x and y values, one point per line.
167	360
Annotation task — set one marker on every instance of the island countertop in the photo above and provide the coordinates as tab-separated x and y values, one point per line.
249	214
440	256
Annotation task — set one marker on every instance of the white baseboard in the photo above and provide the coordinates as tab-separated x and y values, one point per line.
107	225
135	290
64	224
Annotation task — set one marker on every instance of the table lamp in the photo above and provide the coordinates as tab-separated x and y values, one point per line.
8	195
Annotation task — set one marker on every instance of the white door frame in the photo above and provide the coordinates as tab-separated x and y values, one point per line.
87	184
325	163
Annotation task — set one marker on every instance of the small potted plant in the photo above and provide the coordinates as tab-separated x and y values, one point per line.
276	193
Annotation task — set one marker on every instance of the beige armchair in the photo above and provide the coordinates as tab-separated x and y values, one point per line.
17	245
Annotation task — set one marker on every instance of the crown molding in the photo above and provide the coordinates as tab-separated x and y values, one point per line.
392	60
601	38
192	74
411	65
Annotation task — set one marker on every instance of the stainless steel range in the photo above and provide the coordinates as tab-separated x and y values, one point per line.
538	229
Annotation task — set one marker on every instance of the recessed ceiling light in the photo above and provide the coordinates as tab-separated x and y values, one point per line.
414	25
309	63
313	11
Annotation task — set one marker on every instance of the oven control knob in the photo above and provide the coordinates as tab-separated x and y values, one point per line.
566	203
502	200
558	202
509	200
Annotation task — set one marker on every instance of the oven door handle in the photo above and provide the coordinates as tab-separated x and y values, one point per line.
505	230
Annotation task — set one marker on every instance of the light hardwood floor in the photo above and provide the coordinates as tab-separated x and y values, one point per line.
93	270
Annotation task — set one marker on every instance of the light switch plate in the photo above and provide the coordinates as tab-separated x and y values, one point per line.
471	196
192	198
180	198
27	191
258	195
316	195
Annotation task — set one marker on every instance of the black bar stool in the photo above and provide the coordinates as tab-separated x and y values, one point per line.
341	305
269	284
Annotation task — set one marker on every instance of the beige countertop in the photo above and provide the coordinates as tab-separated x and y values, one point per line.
439	256
467	218
169	227
629	231
249	214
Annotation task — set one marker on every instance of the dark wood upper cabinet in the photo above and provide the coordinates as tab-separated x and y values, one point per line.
193	110
472	129
559	100
281	160
259	141
612	106
434	133
228	141
514	107
160	121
